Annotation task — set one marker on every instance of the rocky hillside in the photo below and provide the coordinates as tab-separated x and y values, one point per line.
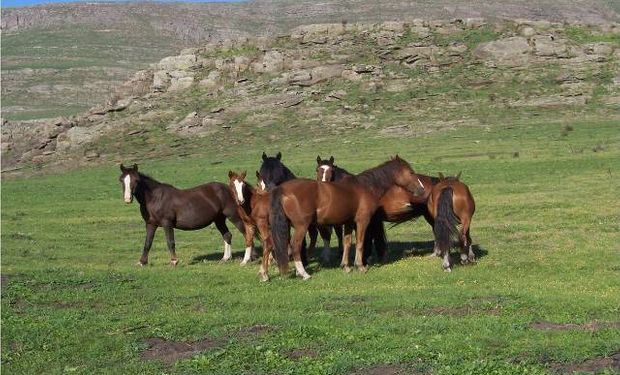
320	82
62	59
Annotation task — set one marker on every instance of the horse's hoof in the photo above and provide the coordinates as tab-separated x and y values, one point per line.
447	269
363	269
347	269
174	263
306	277
264	278
225	259
141	264
243	263
464	262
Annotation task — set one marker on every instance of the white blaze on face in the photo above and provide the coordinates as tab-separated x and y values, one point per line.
421	184
325	168
127	189
239	190
262	185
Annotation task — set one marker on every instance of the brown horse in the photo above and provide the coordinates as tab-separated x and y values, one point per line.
163	205
351	201
451	205
253	208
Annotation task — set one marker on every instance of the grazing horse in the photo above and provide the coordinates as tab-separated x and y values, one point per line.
398	206
451	205
253	208
351	201
163	205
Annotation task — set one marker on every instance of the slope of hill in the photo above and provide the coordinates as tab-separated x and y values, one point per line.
62	59
383	80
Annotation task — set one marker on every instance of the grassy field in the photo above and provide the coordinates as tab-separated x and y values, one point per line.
544	296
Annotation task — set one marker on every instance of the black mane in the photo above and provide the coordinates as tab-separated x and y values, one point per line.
339	173
379	179
274	172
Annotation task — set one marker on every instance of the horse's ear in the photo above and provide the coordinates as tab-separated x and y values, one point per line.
318	160
135	167
123	169
331	160
258	175
397	157
243	174
279	155
458	176
230	174
441	176
264	156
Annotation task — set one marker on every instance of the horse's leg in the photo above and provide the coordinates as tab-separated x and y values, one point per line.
298	238
348	232
360	231
150	233
263	229
250	230
171	245
313	234
326	234
467	253
220	224
429	219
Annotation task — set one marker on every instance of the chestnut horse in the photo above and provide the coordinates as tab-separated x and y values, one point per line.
163	205
451	205
253	208
351	201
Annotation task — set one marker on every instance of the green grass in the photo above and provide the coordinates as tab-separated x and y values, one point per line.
546	225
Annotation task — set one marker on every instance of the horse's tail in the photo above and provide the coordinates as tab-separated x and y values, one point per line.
375	234
280	230
446	222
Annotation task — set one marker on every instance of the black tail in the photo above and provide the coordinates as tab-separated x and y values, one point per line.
446	222
280	230
375	234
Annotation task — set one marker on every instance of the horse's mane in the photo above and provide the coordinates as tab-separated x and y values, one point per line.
274	172
380	178
150	183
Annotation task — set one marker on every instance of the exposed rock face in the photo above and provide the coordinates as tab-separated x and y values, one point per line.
256	77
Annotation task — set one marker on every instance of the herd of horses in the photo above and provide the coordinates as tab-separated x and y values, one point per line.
335	202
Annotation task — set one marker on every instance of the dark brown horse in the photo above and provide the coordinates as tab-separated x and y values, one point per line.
163	205
351	201
253	208
451	205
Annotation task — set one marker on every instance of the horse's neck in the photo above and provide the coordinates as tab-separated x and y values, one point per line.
340	173
146	188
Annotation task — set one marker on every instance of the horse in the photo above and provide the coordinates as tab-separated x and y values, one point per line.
451	205
273	172
351	201
253	208
163	205
327	171
397	206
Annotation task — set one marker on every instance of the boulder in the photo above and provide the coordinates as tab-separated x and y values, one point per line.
510	52
181	62
177	84
549	46
161	81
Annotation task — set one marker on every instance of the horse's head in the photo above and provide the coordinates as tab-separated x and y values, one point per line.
129	180
273	171
260	184
236	183
324	169
405	177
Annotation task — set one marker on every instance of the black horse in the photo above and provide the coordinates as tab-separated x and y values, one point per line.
274	172
163	205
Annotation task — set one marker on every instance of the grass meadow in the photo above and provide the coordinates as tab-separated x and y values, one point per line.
544	296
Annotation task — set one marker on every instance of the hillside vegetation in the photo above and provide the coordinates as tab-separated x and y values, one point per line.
61	59
527	110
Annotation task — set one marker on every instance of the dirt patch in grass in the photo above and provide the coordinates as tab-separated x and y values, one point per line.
255	330
592	365
298	354
592	326
383	370
171	351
